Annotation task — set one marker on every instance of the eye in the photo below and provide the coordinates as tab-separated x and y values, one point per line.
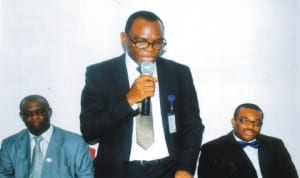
39	112
26	113
243	120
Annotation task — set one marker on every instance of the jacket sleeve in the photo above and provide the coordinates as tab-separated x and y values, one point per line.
190	128
100	114
83	161
285	162
6	164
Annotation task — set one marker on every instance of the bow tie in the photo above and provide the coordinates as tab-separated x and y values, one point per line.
252	144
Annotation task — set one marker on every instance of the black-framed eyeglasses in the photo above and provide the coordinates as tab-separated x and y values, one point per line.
142	44
245	121
39	112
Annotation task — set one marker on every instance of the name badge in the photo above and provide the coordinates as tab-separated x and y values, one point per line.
172	123
171	115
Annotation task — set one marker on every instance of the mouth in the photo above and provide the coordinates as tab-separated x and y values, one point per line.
249	133
35	125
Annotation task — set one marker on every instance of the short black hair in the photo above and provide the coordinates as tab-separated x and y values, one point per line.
34	97
144	15
250	106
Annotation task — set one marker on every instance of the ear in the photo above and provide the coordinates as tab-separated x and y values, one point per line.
49	112
22	117
233	122
124	40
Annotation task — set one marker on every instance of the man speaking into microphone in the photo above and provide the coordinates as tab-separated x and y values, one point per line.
141	108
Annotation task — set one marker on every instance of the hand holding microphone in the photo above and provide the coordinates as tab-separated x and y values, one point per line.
143	87
146	68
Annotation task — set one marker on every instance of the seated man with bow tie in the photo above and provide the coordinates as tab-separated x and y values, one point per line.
43	150
244	152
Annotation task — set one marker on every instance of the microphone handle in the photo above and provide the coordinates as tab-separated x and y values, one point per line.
146	106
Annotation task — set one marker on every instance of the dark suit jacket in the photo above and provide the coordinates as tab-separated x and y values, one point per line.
224	158
107	118
67	156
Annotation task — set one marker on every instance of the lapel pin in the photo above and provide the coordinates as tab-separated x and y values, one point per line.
48	160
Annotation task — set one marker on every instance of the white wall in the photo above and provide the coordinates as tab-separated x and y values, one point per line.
238	51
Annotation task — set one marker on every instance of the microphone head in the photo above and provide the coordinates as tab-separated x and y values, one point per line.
147	68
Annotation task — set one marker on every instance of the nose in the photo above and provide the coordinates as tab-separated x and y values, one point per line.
150	47
34	116
251	125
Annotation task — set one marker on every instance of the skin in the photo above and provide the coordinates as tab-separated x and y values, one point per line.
36	123
146	30
243	131
144	86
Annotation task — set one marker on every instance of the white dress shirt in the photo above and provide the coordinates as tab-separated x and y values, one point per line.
44	142
159	148
252	154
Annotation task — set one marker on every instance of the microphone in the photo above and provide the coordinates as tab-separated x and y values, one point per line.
147	68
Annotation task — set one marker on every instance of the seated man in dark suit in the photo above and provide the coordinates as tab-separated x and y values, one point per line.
244	152
43	150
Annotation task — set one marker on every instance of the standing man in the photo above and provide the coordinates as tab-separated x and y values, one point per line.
244	152
43	150
112	93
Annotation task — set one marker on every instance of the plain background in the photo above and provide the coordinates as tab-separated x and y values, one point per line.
238	51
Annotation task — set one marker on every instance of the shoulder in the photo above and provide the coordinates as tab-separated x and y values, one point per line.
15	138
217	143
101	69
172	69
68	136
72	144
106	63
269	140
171	64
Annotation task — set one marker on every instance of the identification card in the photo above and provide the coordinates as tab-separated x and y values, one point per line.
172	123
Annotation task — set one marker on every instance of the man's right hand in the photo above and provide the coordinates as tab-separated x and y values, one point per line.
142	87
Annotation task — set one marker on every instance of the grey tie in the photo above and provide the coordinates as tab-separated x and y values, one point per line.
144	130
37	159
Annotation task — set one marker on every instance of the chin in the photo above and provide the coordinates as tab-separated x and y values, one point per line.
249	138
147	59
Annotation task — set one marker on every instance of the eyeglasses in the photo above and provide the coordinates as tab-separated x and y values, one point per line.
142	44
245	121
39	112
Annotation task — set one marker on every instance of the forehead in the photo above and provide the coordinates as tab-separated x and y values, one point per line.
249	113
32	104
144	27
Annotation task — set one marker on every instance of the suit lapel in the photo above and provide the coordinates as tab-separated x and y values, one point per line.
54	151
120	75
121	87
24	153
166	86
163	80
240	159
264	156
